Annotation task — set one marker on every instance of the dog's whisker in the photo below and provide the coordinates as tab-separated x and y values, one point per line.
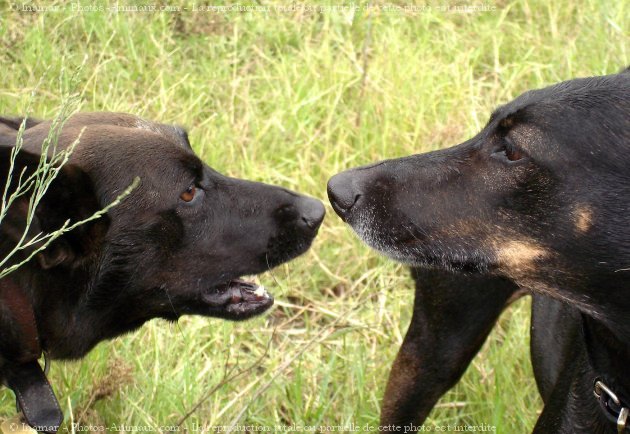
269	268
181	332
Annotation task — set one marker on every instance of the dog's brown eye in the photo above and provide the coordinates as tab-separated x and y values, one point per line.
189	194
508	151
513	154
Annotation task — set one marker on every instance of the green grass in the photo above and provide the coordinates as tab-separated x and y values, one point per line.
284	99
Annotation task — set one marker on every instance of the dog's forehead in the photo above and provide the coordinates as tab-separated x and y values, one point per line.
114	154
554	100
124	140
174	133
525	100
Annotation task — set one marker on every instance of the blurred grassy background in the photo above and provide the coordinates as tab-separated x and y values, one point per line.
291	98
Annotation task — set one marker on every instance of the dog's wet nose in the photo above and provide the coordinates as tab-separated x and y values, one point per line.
342	193
311	212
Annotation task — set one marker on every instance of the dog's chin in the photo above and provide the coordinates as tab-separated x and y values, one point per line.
416	253
236	300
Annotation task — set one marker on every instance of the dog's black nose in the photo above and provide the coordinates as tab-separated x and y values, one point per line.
311	212
343	193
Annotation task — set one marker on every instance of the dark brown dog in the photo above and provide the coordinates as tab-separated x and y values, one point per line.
538	201
176	246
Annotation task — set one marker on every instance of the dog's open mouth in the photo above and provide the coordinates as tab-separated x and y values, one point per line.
239	298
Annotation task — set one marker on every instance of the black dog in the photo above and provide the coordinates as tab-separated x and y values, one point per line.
538	201
176	246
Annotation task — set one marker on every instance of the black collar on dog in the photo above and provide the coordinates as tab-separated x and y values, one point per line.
615	411
25	377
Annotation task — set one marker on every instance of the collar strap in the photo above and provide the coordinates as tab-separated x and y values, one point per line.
35	397
25	377
615	411
21	310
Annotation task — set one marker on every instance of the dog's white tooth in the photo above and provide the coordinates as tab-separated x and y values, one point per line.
260	291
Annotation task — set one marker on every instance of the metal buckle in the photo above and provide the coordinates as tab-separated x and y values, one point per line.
601	387
622	421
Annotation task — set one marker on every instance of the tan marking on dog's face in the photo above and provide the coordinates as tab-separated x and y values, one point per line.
583	218
535	268
516	258
461	229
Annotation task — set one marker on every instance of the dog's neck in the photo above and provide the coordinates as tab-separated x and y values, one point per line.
71	324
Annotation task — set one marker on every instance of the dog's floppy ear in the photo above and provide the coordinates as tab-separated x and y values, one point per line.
70	196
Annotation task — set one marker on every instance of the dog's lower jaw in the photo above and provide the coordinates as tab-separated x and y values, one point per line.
458	260
69	332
